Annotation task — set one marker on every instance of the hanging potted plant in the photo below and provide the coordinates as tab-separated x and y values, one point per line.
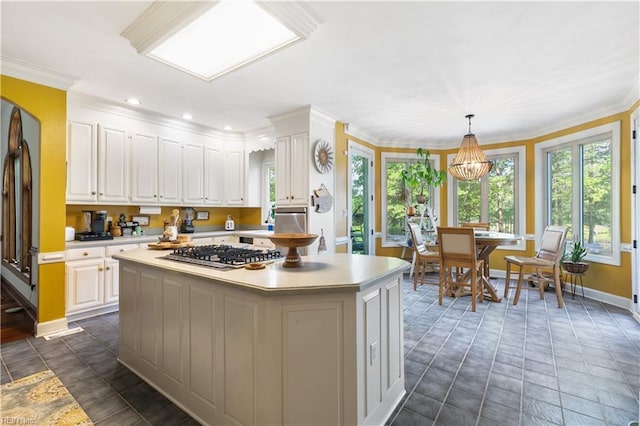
572	260
421	175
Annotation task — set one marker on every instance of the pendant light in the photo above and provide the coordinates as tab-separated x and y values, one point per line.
470	162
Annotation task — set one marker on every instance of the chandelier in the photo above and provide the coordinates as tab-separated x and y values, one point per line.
470	162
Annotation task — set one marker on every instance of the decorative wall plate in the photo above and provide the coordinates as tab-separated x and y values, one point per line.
323	156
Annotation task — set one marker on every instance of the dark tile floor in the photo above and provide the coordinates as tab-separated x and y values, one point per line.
530	364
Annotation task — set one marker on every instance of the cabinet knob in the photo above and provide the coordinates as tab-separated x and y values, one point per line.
102	193
93	192
100	269
85	253
108	268
287	197
292	197
154	195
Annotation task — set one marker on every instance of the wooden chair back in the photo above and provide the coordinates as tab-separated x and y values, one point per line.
552	245
457	246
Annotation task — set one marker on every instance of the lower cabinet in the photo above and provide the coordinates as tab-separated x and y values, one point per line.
92	286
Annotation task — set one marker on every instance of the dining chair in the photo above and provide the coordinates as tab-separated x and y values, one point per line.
481	226
542	269
458	251
422	257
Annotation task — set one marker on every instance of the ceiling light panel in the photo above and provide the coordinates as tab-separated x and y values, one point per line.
209	39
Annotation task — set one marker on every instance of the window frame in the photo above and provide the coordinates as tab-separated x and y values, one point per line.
401	156
521	188
542	182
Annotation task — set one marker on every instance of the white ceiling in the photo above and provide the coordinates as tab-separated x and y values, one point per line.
404	72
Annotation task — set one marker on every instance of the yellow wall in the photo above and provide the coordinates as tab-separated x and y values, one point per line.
217	215
49	106
615	280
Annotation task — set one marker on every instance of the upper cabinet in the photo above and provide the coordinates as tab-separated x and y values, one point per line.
82	162
144	168
292	170
98	167
147	163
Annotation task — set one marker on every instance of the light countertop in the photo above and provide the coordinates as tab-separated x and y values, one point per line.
319	272
255	233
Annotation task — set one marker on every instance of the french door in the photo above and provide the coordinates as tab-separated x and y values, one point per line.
360	204
635	120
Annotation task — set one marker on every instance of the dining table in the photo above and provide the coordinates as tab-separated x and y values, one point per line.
487	242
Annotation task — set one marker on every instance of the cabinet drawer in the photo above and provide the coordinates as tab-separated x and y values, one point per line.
263	243
111	250
85	253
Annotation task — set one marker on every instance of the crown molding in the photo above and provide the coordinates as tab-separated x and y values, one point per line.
633	95
36	74
296	16
116	108
161	20
358	132
321	117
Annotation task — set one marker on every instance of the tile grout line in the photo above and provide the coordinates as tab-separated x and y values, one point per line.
493	360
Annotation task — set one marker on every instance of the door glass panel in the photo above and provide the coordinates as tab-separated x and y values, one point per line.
359	205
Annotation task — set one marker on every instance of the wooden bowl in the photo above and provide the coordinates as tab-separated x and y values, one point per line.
292	241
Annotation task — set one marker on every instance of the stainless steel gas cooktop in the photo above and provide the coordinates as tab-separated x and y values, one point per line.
223	256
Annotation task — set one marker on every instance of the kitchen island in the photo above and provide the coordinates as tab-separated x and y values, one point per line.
320	344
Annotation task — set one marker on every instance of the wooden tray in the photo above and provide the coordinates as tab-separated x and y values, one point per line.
167	245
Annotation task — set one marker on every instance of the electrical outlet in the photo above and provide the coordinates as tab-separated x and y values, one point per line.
530	237
627	247
109	219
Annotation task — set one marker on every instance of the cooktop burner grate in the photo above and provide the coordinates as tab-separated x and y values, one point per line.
222	256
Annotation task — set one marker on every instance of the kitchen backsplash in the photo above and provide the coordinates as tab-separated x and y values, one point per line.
243	216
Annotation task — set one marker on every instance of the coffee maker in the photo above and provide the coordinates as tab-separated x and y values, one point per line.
186	227
93	226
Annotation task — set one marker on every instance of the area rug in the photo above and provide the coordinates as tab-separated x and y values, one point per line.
40	399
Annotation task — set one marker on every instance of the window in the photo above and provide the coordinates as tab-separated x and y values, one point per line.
495	198
393	197
269	192
581	191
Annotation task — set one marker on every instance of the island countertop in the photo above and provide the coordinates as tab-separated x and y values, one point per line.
350	272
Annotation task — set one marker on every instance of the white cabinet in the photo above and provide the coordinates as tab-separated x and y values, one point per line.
169	171
213	182
92	281
113	164
82	162
234	177
144	169
193	173
98	167
292	170
84	279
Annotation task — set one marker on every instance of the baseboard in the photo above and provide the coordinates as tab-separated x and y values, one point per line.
55	326
589	293
92	313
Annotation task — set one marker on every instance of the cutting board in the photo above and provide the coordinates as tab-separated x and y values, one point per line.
166	245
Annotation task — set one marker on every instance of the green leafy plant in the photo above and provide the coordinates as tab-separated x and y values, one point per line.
420	175
577	253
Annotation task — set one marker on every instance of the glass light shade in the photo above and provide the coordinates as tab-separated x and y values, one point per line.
470	162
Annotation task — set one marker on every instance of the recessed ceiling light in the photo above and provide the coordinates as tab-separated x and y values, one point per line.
187	116
133	101
227	127
209	39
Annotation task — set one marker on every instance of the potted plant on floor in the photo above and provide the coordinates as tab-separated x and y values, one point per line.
421	175
572	260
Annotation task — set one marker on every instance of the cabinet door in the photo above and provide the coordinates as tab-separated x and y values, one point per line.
234	190
169	171
299	166
85	284
144	169
192	174
111	288
113	164
283	187
82	162
213	179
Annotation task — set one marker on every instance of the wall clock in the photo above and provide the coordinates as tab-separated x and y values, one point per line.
323	156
